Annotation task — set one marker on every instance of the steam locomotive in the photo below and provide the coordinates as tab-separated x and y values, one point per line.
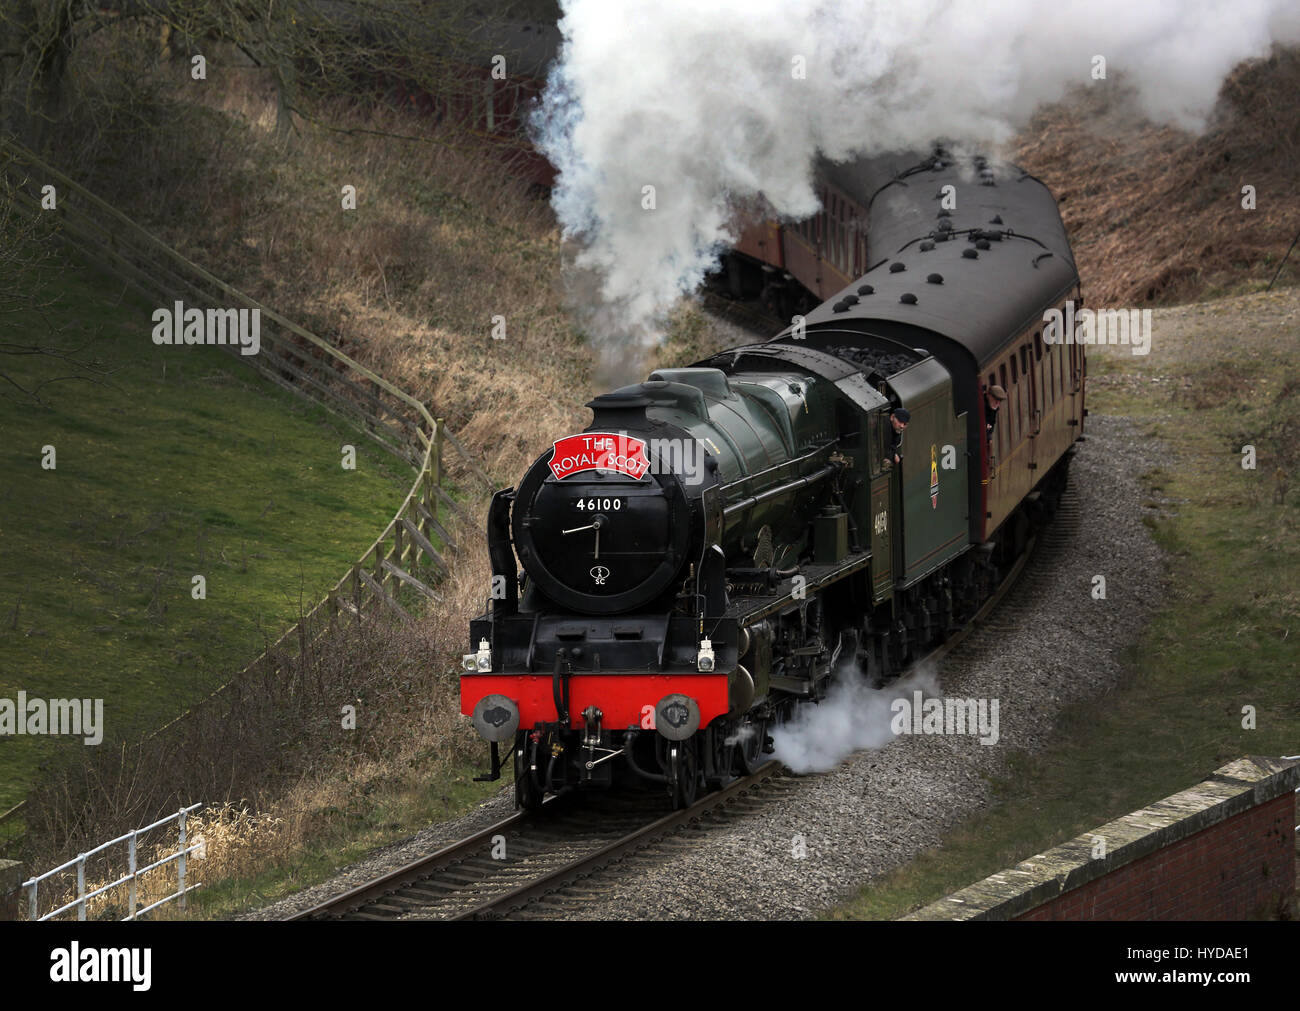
722	539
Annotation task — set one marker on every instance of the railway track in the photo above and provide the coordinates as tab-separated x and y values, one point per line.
537	865
528	858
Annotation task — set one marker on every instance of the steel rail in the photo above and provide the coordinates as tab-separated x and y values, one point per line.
556	879
414	871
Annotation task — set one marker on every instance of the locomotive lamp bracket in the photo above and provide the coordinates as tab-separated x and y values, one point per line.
498	763
704	660
480	662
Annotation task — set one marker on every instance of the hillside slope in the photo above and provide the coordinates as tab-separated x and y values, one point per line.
1155	213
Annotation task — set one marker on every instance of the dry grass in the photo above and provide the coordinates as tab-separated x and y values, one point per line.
443	239
1155	213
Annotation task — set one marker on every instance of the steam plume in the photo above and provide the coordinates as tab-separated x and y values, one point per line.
851	718
705	102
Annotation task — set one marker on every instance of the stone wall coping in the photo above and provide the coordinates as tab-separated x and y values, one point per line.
1236	787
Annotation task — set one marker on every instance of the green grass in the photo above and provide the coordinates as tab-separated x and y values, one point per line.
179	462
1226	637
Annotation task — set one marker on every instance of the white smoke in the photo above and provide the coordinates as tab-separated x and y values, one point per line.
703	100
852	717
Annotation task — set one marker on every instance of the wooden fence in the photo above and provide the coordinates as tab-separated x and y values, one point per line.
412	549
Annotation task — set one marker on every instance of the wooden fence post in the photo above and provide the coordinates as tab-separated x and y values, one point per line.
11	881
435	464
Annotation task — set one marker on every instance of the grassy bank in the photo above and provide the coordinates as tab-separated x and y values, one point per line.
251	858
337	837
167	464
1220	376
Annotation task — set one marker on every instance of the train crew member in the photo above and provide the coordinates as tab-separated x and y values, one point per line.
993	397
899	420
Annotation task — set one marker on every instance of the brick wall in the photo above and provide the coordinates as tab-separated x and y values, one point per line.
1224	849
1243	868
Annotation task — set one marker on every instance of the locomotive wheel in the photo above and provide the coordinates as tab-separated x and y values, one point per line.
528	794
722	752
680	763
750	749
683	773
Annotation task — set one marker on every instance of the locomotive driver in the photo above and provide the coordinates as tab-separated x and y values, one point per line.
993	397
899	420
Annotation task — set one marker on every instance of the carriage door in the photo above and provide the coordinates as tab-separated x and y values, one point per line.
1034	423
883	515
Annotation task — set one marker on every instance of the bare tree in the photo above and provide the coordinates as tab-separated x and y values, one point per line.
330	47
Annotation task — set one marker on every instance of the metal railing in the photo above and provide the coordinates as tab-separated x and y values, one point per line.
131	878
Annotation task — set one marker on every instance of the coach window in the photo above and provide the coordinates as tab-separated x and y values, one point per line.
1040	386
1014	376
1002	429
830	229
1013	402
839	233
840	244
828	236
841	237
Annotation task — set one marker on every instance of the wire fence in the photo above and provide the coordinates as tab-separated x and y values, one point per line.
412	550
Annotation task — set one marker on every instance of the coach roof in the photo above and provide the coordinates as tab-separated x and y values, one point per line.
978	271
